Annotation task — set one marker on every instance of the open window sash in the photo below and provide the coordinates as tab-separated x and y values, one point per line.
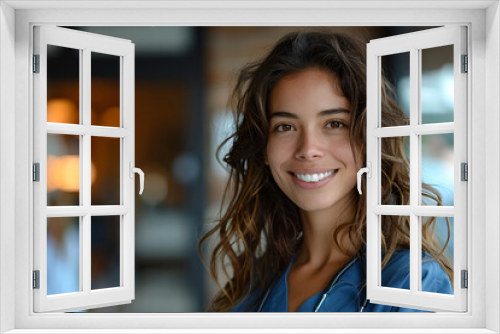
414	43
85	297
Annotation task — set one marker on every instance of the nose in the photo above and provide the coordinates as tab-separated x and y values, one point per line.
310	146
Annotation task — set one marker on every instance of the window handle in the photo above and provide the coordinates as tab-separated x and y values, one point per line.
141	175
367	170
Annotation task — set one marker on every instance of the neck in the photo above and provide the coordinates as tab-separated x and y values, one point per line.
318	246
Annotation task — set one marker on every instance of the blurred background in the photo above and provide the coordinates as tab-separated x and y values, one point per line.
183	78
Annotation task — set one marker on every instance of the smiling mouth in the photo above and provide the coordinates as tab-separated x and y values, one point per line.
316	177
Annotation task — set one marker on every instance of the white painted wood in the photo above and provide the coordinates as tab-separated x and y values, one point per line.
425	39
422	129
248	4
373	158
83	236
83	40
76	129
66	211
412	43
103	131
7	168
490	159
86	189
40	156
87	43
244	331
110	210
95	210
127	230
485	97
406	210
74	301
417	239
460	155
414	168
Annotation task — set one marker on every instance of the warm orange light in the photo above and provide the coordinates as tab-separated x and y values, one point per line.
63	173
111	117
62	111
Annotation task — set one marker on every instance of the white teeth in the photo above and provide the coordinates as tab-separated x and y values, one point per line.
313	177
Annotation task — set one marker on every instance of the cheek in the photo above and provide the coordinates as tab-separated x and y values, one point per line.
344	152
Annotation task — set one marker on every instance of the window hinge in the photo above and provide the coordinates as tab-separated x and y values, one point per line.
36	63
465	279
464	171
36	279
465	64
36	172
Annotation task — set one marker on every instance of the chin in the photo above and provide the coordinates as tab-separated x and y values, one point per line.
322	203
314	207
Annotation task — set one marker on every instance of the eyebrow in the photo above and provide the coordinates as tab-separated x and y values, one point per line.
328	112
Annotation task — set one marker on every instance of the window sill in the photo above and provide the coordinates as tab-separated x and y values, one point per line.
263	331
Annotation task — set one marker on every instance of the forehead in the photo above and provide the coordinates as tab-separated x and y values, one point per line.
308	90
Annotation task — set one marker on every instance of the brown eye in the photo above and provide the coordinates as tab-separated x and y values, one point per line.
335	125
283	128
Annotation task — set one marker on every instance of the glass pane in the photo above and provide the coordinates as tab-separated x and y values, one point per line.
63	170
395	155
63	255
396	68
105	240
437	168
105	155
396	270
437	240
63	85
437	85
105	89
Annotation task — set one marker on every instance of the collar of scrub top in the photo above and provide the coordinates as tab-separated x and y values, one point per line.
326	291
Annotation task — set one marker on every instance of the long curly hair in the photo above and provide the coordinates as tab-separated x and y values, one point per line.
259	225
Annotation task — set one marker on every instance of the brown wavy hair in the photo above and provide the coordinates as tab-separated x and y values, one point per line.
258	230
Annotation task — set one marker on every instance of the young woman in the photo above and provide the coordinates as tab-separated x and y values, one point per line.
294	230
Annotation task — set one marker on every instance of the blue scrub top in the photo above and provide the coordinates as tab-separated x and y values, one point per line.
346	293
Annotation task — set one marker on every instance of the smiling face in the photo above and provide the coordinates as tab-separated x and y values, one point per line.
308	150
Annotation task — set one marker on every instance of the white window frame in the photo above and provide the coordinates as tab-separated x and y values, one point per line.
16	21
413	44
85	43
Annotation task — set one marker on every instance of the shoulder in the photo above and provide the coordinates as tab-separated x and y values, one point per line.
247	303
397	273
243	305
